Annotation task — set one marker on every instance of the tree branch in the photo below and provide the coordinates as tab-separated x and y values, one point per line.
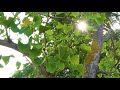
13	45
103	72
9	44
106	38
56	17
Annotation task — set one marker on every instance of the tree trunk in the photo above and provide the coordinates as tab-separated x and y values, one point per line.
90	69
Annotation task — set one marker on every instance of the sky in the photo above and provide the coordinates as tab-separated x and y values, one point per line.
10	68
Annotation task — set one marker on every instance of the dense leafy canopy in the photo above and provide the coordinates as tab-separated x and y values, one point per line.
57	48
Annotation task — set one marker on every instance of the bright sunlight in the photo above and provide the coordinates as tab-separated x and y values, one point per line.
82	26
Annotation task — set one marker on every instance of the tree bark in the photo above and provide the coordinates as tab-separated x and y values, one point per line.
90	70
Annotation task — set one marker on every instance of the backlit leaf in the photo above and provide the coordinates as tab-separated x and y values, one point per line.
75	14
18	64
49	32
1	66
75	59
6	59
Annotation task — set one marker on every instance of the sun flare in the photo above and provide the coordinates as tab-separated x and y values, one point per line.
82	26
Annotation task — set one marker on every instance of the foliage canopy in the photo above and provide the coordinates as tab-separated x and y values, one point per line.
57	48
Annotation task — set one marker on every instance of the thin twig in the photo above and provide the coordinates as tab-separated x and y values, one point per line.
103	72
28	60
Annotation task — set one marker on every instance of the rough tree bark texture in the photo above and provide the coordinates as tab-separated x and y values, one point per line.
90	70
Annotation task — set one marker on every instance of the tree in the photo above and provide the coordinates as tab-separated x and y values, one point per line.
58	49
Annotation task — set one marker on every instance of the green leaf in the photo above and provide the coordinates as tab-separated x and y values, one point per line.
75	59
38	61
85	47
9	22
27	31
38	46
118	44
61	66
71	51
100	75
51	37
37	21
59	12
43	28
87	37
18	64
6	59
14	28
66	28
73	67
1	66
81	69
49	32
35	52
75	14
51	67
62	50
68	58
91	28
23	47
52	64
59	26
77	33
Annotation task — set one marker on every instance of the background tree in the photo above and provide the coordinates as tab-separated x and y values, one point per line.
58	49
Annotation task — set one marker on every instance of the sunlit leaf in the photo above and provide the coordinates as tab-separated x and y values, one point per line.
77	33
6	59
85	47
75	59
75	14
59	26
67	28
18	64
26	22
49	32
81	68
91	28
99	75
